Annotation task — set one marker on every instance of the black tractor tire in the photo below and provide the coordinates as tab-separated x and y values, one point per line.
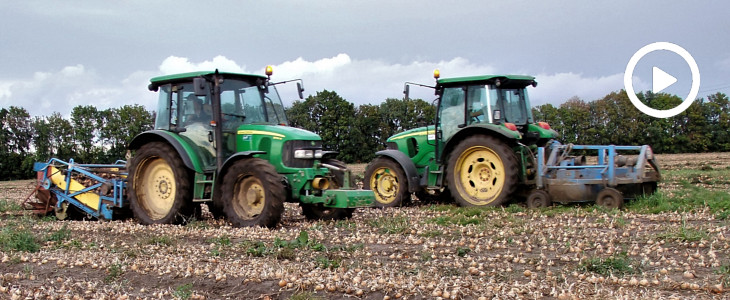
319	211
610	198
387	180
482	171
538	199
160	189
253	194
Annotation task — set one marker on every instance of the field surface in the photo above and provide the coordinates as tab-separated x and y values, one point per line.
673	244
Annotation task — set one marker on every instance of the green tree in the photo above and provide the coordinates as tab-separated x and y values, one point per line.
87	133
15	140
120	126
718	119
366	137
62	144
398	115
662	133
330	116
574	116
41	139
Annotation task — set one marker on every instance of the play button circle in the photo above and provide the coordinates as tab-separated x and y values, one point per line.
661	80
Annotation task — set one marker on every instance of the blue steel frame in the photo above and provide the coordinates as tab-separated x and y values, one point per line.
605	172
106	203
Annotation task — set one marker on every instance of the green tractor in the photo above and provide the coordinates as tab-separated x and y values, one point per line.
223	139
479	151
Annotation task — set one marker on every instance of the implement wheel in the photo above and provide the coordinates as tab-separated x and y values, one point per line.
159	185
319	211
610	198
538	199
253	194
482	171
387	180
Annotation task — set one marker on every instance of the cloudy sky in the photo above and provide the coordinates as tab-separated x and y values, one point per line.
59	54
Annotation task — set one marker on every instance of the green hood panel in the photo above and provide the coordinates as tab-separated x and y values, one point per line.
278	132
413	132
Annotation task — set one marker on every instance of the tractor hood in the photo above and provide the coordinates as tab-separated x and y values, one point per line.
426	130
278	132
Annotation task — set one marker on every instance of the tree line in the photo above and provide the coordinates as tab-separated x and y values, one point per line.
703	127
88	136
101	136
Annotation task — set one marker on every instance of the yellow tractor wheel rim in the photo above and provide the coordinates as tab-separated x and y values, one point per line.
480	175
384	183
249	197
157	188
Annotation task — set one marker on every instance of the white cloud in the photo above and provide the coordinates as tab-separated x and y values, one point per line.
368	81
174	64
59	91
5	90
556	88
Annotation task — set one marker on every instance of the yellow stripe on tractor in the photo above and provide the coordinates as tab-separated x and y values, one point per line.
89	199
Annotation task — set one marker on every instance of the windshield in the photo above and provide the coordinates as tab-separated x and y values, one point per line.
243	103
514	103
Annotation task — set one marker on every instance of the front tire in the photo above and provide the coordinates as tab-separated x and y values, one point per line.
253	194
387	180
538	199
159	185
610	198
482	171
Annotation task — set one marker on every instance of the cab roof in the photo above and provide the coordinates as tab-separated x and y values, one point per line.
485	78
165	79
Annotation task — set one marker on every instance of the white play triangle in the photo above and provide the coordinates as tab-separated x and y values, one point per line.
661	80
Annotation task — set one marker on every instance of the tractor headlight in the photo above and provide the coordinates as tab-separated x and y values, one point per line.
304	154
307	153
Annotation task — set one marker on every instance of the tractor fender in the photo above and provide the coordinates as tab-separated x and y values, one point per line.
508	136
235	157
407	165
181	147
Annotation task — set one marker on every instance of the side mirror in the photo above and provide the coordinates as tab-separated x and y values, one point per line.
406	91
534	83
497	116
200	86
300	90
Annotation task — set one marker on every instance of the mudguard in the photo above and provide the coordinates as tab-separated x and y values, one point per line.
183	149
235	157
407	165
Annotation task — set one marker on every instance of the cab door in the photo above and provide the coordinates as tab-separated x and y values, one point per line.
193	122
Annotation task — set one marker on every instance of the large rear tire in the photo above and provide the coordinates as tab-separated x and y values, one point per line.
387	180
253	194
482	171
319	211
159	185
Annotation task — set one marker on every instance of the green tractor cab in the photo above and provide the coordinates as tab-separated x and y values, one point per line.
223	139
478	152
